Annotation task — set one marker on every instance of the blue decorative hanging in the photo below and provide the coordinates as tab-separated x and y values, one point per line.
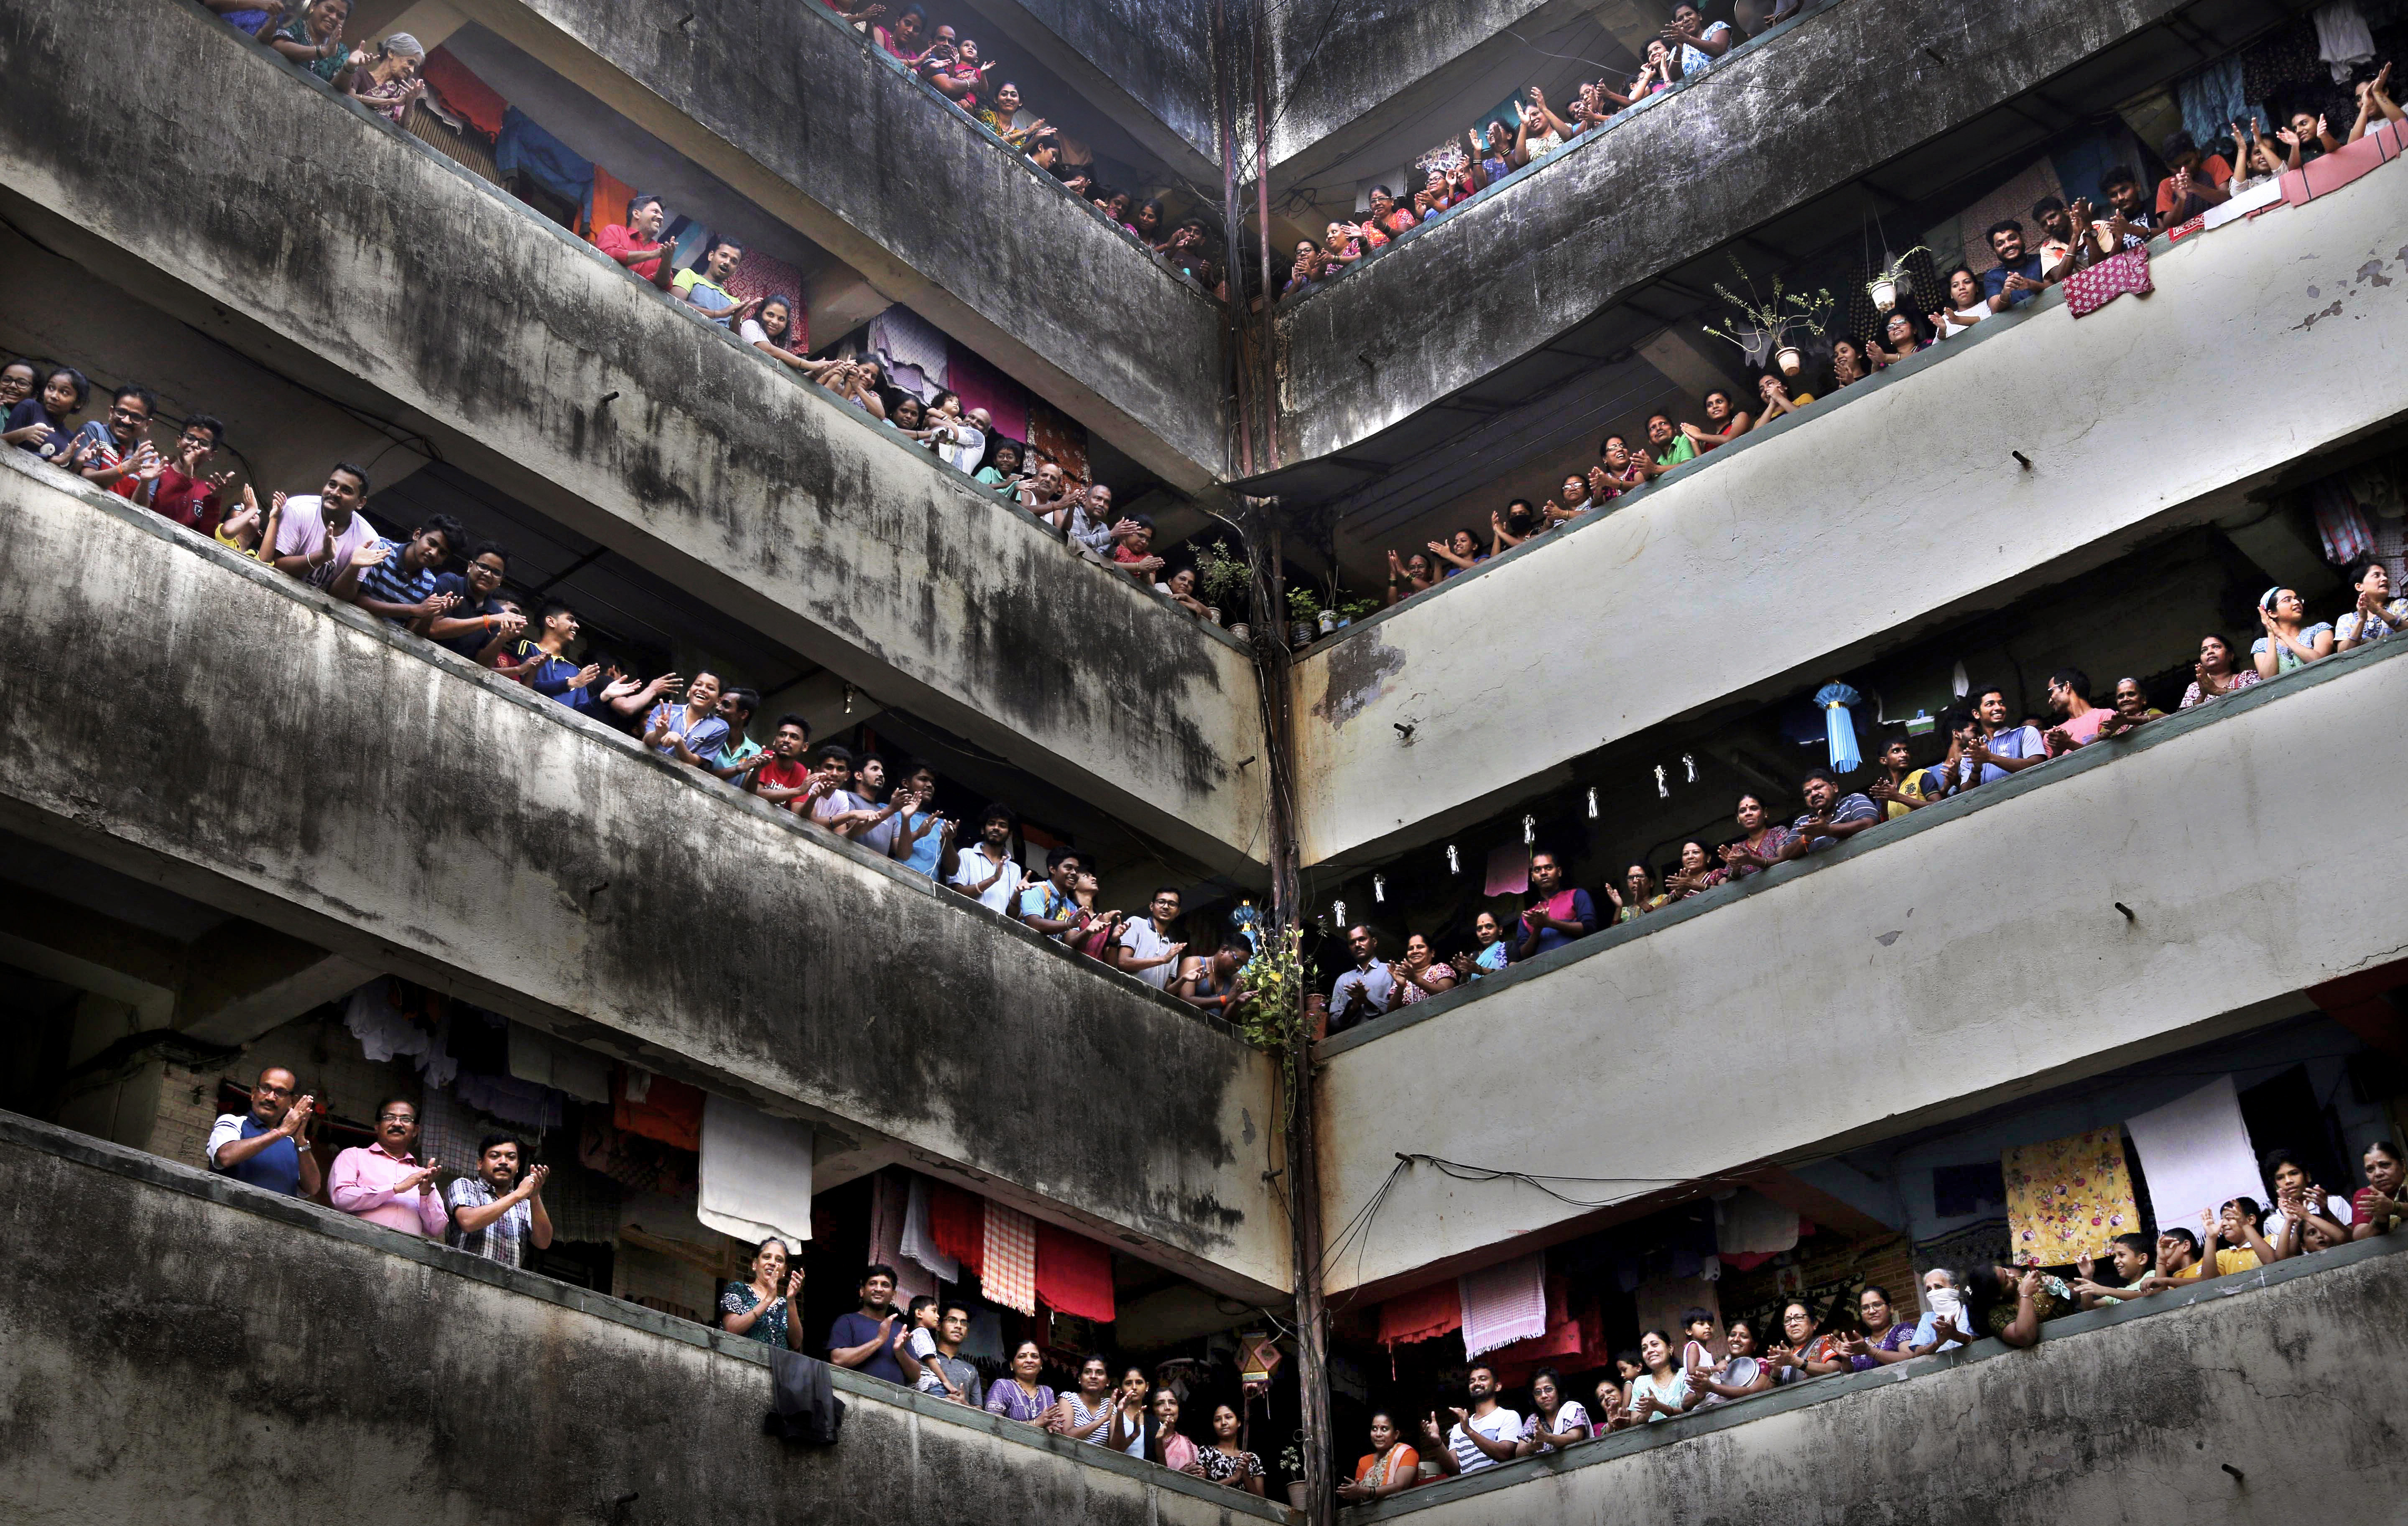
1840	726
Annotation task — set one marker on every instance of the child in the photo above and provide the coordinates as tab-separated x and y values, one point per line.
921	1319
1696	1355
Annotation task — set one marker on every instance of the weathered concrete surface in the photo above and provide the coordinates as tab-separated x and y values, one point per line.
1934	967
2291	1377
298	763
181	1348
154	144
1804	549
1147	66
1350	74
784	104
1502	276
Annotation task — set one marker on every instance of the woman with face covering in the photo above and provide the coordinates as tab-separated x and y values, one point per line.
764	1308
1019	1396
2289	641
1223	1461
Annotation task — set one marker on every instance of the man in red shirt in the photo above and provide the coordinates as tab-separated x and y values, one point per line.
2196	184
783	780
178	488
636	245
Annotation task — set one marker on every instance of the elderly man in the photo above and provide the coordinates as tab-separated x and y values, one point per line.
498	1213
383	1183
1365	991
267	1146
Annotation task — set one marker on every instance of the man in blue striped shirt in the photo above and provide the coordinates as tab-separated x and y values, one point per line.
401	586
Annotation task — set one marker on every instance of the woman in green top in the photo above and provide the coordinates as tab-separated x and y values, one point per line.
763	1308
314	39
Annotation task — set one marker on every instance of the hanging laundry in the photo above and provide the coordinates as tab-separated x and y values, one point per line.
537	1057
2068	1197
889	1207
606	206
919	1243
981	385
2343	40
1008	1272
1504	1303
1509	871
583	1205
1074	1275
525	148
2088	291
512	1100
2344	532
635	1162
2211	101
464	93
1422	1315
1751	1224
957	1225
658	1108
448	1131
382	1028
2194	1154
911	349
754	1177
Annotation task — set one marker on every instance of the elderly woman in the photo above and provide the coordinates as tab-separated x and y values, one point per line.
314	39
1421	974
2132	706
1575	502
2214	676
386	80
2290	642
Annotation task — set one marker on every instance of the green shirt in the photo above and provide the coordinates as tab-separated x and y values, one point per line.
704	293
1683	449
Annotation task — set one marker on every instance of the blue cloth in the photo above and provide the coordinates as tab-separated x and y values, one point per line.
927	847
276	1168
1491	960
859	1329
1994	279
551	678
247	22
2210	102
1042	900
1840	727
544	159
704	740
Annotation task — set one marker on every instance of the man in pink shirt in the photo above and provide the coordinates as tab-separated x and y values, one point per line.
2068	696
383	1183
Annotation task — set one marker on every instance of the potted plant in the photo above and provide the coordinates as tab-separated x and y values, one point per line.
1292	1463
1304	611
1892	281
1770	332
1221	579
1356	609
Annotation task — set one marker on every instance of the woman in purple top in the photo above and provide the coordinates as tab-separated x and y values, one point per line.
1886	1338
1021	1397
1761	848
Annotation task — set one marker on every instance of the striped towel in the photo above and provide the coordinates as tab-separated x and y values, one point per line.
1504	1303
1009	1276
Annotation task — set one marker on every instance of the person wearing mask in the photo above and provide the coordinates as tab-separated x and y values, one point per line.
1559	914
1018	1395
867	1339
268	1146
1948	1321
766	1307
383	1183
1366	992
1481	1437
1390	1467
498	1213
1555	1421
986	871
2290	642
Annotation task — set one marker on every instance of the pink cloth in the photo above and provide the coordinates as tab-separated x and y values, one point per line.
1504	1303
2088	291
981	385
2330	172
1509	871
1177	1453
361	1185
2084	730
1009	1276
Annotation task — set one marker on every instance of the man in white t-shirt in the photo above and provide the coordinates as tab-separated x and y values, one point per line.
986	871
1482	1436
1145	949
317	534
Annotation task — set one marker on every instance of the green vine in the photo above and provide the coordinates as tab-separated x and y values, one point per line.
1270	1012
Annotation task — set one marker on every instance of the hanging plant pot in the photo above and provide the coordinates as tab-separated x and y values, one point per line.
1298	1495
1883	293
1790	359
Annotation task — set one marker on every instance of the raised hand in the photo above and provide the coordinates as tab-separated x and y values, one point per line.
370	553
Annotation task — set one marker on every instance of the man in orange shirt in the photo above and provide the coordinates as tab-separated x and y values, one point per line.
2196	184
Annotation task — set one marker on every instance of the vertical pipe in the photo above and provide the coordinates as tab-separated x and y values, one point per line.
1270	357
1225	91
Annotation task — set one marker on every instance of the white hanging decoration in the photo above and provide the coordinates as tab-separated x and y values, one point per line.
1592	802
1689	761
1338	913
1958	681
1380	889
1453	864
1530	831
848	698
1663	790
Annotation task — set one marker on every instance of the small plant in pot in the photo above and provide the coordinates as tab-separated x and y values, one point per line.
1292	1463
1892	283
1304	613
1221	579
1770	332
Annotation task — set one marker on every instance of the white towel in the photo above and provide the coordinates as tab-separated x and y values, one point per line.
890	1212
2194	1154
918	1244
1502	1304
2341	38
537	1057
755	1173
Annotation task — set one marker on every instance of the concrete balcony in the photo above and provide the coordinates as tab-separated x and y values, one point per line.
1512	295
1834	536
286	758
789	106
2126	901
291	1359
2197	1393
1148	68
538	366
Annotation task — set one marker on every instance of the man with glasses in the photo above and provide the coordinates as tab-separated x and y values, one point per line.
383	1183
178	488
1145	949
268	1147
121	445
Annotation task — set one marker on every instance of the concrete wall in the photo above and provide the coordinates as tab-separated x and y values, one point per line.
1500	279
1932	968
181	1348
1898	503
786	106
1148	67
270	754
538	365
2289	1377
